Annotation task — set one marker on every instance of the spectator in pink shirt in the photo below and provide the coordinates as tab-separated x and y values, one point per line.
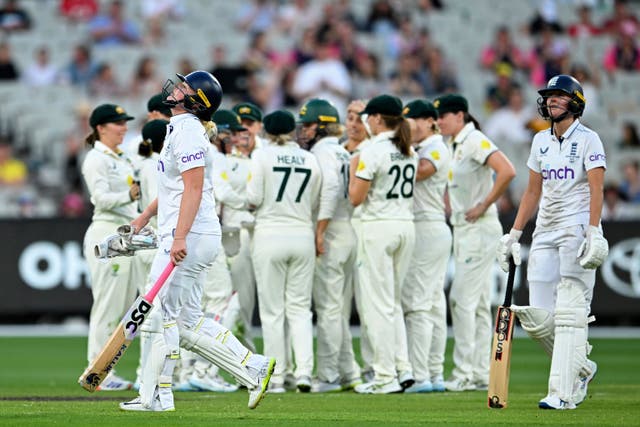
624	54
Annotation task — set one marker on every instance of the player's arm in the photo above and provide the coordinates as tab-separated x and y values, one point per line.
595	177
193	180
426	169
529	200
504	172
358	190
148	213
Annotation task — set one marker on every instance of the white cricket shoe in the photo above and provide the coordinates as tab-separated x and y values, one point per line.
326	387
551	401
438	383
459	384
379	387
276	388
406	380
303	384
112	382
420	387
580	388
351	383
216	384
136	405
263	378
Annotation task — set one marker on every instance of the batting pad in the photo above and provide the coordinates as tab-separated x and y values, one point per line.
218	354
570	347
538	323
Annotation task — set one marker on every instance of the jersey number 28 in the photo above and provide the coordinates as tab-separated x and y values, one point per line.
406	187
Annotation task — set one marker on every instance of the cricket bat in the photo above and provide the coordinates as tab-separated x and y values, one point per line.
122	337
501	349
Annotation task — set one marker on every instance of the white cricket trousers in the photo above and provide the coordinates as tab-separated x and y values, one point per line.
114	284
553	256
284	260
423	299
474	251
243	279
384	254
332	294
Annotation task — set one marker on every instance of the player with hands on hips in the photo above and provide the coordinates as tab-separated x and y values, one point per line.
566	174
190	237
473	192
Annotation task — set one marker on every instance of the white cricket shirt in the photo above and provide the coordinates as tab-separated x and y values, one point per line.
185	147
392	177
284	185
563	166
470	179
428	199
334	196
109	175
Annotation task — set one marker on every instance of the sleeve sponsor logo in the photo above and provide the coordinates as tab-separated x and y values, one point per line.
361	166
485	145
192	157
435	154
595	157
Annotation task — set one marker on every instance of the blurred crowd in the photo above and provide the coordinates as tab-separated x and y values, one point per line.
339	50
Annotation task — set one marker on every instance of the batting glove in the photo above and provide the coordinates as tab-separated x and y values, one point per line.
509	247
593	250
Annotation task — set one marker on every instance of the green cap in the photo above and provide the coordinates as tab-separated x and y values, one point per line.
155	132
227	120
108	113
247	110
387	105
451	104
156	103
279	122
318	110
420	109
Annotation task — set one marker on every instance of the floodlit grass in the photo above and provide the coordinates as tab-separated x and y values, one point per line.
38	387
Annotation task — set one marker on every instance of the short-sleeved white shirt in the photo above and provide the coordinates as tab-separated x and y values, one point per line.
334	162
185	147
392	177
428	199
563	166
284	185
470	179
238	165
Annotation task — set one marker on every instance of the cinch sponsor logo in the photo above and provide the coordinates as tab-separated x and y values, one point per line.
561	173
597	156
160	166
191	157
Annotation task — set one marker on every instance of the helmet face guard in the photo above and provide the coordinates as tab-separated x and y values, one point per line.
206	99
562	85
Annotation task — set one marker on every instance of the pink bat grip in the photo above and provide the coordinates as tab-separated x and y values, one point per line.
150	296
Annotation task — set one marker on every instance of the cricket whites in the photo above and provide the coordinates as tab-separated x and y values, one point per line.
501	349
122	337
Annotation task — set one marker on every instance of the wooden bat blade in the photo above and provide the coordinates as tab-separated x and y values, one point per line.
500	362
113	350
116	346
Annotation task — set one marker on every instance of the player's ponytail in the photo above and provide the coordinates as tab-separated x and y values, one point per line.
211	129
91	139
469	118
402	139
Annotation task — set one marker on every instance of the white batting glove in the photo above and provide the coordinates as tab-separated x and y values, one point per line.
509	247
594	249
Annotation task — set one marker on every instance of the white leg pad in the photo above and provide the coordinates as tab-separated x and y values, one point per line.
539	325
570	347
217	353
153	352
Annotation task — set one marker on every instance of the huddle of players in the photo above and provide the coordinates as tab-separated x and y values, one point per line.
296	235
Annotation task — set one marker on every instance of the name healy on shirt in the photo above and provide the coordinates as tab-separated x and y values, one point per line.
290	160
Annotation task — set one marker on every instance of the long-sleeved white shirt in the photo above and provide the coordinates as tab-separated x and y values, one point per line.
334	196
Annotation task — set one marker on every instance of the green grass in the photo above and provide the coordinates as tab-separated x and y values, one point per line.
38	387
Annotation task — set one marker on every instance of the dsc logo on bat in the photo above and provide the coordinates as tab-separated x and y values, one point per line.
502	329
135	317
